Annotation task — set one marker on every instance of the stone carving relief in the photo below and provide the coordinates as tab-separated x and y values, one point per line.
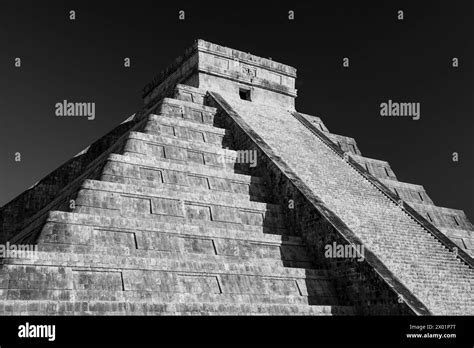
249	71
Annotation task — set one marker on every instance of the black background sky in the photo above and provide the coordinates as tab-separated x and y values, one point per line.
408	61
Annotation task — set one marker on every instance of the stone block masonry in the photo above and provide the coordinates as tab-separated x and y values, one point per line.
158	232
160	216
430	272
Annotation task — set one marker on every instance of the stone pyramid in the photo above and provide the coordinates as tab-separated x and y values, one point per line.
219	198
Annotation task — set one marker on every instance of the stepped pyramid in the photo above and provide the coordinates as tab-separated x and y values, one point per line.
218	197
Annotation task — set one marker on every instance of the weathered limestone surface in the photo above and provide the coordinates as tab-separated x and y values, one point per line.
434	275
159	216
165	227
214	67
452	222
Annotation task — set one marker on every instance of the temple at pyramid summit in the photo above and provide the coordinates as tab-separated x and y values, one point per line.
218	197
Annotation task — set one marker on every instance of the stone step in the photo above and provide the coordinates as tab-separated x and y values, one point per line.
145	308
130	223
165	261
187	110
187	131
200	187
217	198
284	260
425	275
189	94
408	257
348	194
425	272
427	241
423	238
431	289
112	199
435	264
73	222
181	174
423	246
195	215
168	148
437	282
205	244
160	297
426	268
165	140
182	277
420	247
225	168
166	119
447	258
446	300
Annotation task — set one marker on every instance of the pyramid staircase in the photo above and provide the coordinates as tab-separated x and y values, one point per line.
166	223
405	248
159	216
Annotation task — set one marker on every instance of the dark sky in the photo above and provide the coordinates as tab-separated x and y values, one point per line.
407	61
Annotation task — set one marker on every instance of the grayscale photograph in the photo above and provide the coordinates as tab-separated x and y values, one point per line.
253	167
